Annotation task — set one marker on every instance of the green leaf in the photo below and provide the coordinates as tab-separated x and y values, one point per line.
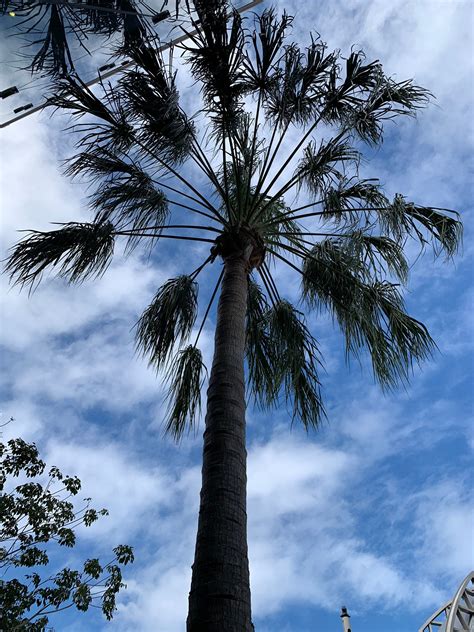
169	319
296	357
282	354
370	312
262	380
77	251
185	377
324	166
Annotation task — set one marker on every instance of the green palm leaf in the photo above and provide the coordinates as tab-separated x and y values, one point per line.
341	202
168	319
296	97
282	354
380	254
259	350
76	250
185	376
387	100
53	55
343	97
296	357
403	218
112	129
217	60
151	101
262	67
370	312
323	166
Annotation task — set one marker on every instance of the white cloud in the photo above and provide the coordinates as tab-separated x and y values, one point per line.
445	526
114	479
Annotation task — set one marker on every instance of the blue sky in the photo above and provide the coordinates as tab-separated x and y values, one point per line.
375	510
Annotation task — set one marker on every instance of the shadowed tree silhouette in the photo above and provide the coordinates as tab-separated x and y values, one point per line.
271	196
47	28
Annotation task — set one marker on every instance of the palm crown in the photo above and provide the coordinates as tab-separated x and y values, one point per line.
345	242
340	235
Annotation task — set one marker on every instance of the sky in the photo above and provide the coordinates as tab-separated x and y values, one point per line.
374	511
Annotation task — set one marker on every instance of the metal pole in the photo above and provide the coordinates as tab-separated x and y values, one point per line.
346	620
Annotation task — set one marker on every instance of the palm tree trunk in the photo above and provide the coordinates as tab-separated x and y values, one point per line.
219	600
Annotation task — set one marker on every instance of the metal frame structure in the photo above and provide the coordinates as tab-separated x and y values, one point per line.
458	614
112	69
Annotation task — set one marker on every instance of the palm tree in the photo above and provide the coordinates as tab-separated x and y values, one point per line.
46	27
268	199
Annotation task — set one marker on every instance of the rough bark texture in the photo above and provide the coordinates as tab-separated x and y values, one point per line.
219	600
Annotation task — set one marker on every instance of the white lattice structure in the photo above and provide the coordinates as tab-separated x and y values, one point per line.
458	614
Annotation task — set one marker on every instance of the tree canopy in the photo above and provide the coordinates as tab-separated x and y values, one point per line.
300	199
36	516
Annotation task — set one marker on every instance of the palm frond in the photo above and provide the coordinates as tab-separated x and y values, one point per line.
113	130
134	27
387	100
101	22
97	163
324	166
76	250
348	195
261	67
370	312
167	320
186	377
54	55
296	96
403	218
341	97
259	350
151	100
127	197
131	203
380	254
71	93
215	54
282	354
296	357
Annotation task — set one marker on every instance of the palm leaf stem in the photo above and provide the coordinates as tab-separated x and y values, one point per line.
303	252
206	314
319	213
294	180
190	208
186	182
201	155
310	234
267	165
295	210
189	197
163	226
226	179
201	160
285	260
271	281
253	147
289	158
236	175
126	233
194	274
273	300
303	241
